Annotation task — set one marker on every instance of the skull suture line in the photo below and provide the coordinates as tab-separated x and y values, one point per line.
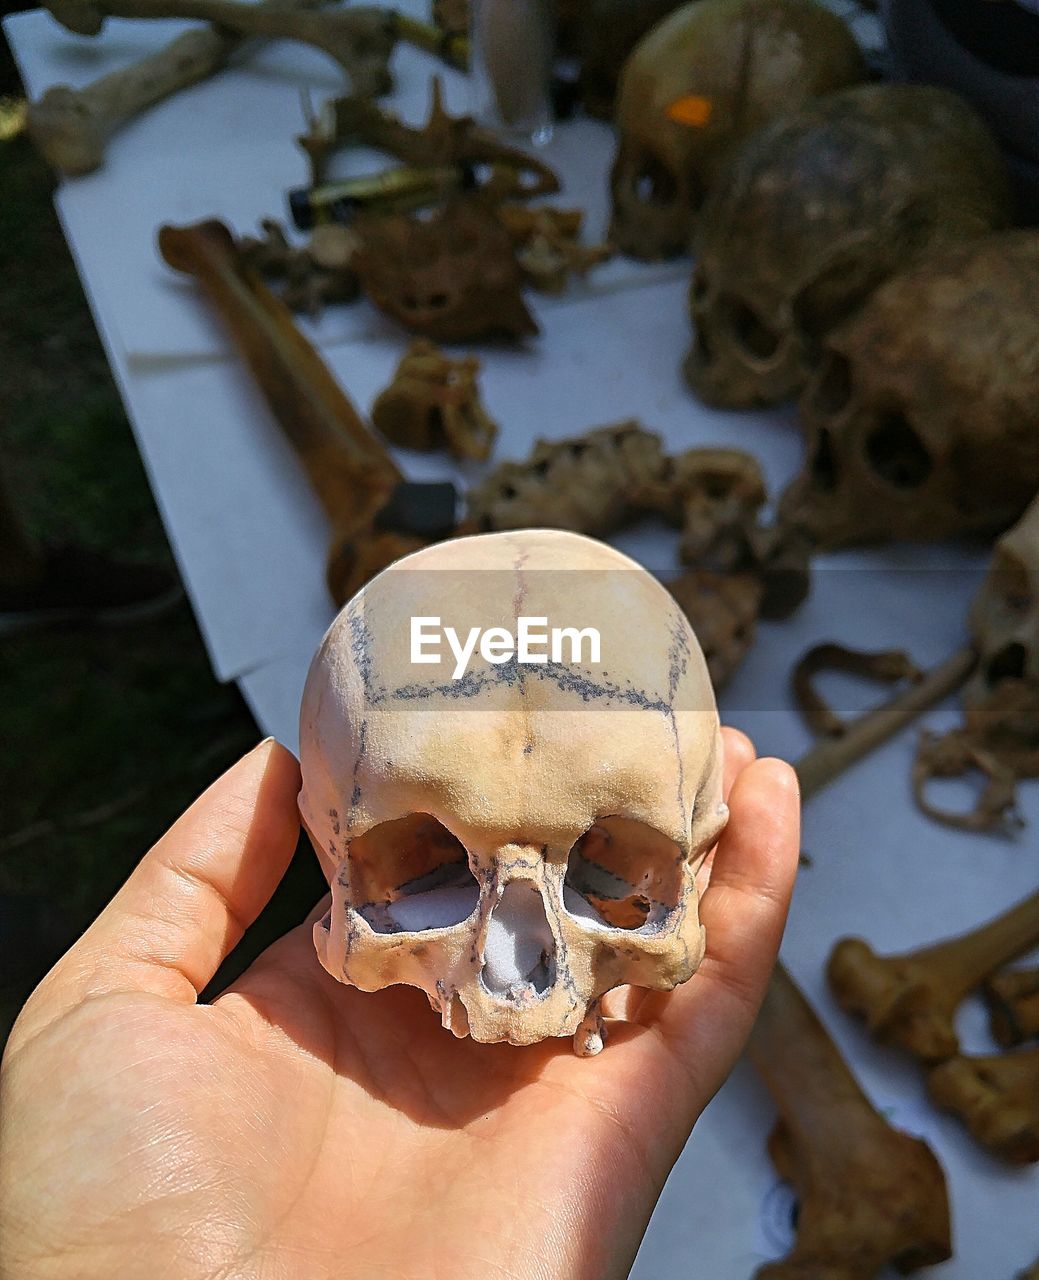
521	841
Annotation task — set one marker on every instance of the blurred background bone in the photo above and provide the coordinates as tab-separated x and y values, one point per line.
360	40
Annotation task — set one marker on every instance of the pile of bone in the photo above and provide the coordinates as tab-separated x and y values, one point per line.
851	249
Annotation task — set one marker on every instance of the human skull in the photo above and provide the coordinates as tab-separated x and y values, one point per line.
921	419
695	87
816	211
522	840
1004	617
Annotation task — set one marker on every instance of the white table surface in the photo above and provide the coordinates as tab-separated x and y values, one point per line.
250	541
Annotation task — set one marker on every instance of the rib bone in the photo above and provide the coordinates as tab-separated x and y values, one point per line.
1013	1000
869	1194
360	40
997	1098
910	1000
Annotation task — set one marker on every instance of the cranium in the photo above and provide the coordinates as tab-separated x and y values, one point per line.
921	419
695	87
523	840
815	212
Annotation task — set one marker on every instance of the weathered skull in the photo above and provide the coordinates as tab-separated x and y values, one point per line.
521	840
921	419
1004	617
815	212
695	87
999	737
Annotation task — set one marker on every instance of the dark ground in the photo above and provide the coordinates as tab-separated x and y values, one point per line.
106	734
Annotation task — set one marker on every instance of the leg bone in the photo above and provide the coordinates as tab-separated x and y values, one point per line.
360	40
997	1098
869	1194
1013	1000
910	1000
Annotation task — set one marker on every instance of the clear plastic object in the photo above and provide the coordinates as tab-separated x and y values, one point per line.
512	51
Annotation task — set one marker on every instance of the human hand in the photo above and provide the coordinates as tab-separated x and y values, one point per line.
296	1127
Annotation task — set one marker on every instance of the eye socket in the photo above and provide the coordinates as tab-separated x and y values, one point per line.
628	873
652	183
411	874
758	339
1009	663
897	454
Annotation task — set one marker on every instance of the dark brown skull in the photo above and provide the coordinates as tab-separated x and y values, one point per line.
921	420
814	213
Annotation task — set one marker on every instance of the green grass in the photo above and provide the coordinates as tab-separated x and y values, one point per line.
105	734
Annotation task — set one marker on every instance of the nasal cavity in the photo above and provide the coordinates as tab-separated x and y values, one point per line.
520	951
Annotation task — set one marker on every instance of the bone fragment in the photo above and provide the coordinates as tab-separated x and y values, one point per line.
443	141
310	276
1013	1000
997	1098
910	1000
890	666
869	1194
829	758
1000	740
723	610
71	127
359	39
351	473
434	401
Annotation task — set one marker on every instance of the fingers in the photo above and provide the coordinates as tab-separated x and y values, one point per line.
196	891
744	911
738	753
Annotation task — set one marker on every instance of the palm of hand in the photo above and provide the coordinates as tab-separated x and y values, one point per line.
297	1127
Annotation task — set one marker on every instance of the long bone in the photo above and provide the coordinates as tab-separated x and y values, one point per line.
997	1098
360	40
354	478
71	127
910	1000
1013	1001
868	1193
